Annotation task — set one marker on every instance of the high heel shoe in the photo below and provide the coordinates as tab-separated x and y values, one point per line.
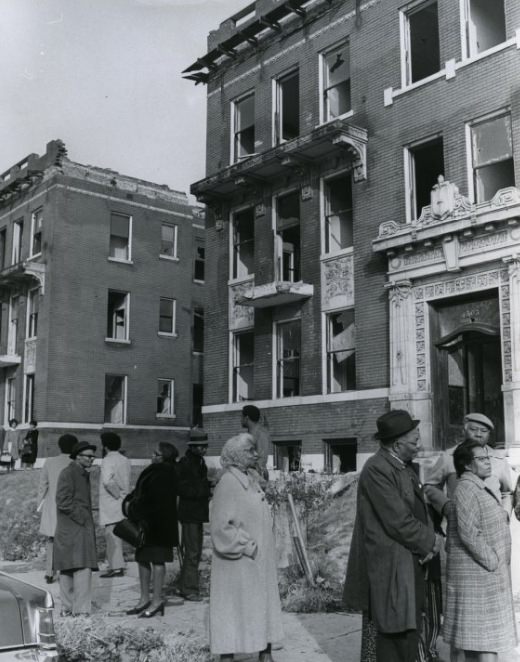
138	609
151	612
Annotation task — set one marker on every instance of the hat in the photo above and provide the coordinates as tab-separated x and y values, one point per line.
475	417
80	447
394	424
198	437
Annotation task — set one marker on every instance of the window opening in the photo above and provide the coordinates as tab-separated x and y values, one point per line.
243	366
426	164
168	240
117	315
199	263
12	335
17	242
287	120
119	237
11	399
29	399
244	127
37	227
338	213
422	42
492	156
288	359
341	351
287	455
198	330
167	315
243	243
33	306
336	82
485	25
165	397
288	237
340	455
115	395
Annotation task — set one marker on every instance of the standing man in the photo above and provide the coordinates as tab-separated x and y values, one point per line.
251	421
75	540
52	468
393	538
194	493
114	485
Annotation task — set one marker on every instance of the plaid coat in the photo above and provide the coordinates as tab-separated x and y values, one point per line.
479	612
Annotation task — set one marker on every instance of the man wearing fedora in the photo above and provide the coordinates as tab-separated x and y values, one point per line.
75	553
393	538
194	493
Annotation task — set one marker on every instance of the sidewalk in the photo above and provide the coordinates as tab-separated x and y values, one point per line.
334	637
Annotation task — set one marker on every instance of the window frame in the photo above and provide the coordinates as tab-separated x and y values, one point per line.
236	366
198	314
31	331
279	361
324	71
235	157
277	456
165	256
197	260
234	254
12	335
405	42
114	324
10	398
472	192
295	261
16	248
173	332
36	216
114	258
171	408
324	208
28	397
329	353
468	53
124	390
277	110
410	180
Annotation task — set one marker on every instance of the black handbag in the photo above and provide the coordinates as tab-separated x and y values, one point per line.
130	532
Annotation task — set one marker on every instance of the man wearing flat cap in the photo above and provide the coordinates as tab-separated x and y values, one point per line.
194	493
75	539
393	538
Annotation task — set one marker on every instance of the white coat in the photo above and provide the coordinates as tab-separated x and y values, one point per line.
114	485
51	471
244	604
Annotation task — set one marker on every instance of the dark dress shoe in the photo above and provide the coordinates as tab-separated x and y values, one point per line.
138	609
49	579
113	573
148	613
192	597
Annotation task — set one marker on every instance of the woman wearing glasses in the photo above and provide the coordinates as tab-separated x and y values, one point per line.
479	616
155	505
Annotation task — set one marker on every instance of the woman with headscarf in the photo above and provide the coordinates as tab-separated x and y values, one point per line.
155	506
479	616
245	612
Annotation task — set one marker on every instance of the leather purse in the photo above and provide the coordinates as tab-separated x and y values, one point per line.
6	458
130	532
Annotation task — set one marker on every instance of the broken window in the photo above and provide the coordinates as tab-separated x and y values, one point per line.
115	399
198	330
12	333
168	240
425	164
243	364
288	352
28	410
167	316
338	213
421	39
33	305
243	243
10	404
117	315
199	263
340	455
244	127
485	24
3	242
336	82
16	255
492	156
165	397
36	232
341	351
287	113
287	243
119	237
287	455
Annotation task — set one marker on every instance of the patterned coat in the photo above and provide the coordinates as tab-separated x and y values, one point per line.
47	492
114	485
479	612
244	604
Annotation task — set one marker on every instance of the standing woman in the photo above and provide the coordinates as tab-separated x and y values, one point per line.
244	603
29	450
479	616
155	505
12	442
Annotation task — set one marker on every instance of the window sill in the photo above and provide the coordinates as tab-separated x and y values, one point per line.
324	257
170	417
118	261
345	116
168	258
196	353
33	257
30	338
117	341
199	282
163	334
241	279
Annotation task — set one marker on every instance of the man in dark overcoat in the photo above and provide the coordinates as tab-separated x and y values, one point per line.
194	493
75	540
393	538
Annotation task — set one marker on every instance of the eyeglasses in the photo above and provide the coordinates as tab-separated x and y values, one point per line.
89	457
482	458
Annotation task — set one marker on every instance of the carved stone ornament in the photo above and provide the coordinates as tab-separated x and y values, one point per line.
259	210
306	192
240	317
338	282
354	141
505	197
445	203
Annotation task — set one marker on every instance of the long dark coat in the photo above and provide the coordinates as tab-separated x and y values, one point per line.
156	504
75	538
388	541
194	490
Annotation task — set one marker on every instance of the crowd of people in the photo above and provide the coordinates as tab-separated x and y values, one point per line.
394	570
170	492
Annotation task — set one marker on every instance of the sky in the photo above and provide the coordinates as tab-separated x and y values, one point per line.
104	76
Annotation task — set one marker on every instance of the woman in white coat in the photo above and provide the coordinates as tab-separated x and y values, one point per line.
245	612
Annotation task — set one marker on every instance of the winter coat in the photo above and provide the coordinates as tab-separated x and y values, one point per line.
114	485
12	442
75	538
29	449
244	605
388	541
51	470
156	504
194	489
479	611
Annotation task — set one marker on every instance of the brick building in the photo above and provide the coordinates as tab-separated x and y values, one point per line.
101	281
362	226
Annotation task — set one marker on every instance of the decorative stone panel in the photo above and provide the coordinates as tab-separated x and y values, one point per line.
337	278
240	317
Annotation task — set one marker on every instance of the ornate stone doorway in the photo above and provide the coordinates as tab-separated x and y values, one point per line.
466	365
